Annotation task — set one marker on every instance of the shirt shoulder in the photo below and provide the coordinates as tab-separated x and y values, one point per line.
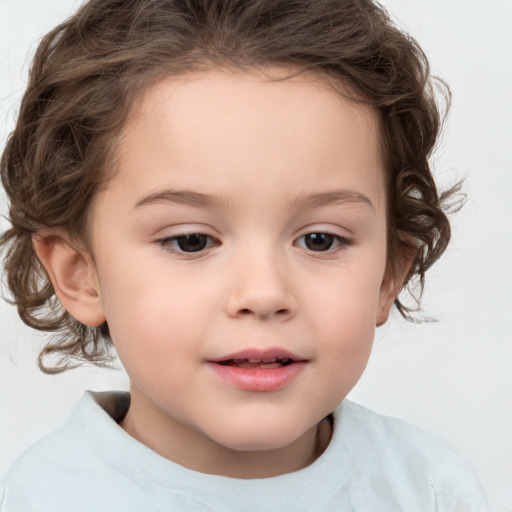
63	472
413	462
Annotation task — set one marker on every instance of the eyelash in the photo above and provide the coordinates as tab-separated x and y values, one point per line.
169	243
343	242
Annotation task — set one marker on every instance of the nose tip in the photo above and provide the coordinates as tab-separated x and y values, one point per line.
261	296
260	282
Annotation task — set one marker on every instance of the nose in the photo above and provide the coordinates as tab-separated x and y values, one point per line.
260	289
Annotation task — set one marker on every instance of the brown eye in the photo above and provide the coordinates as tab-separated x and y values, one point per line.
192	243
319	241
322	242
187	244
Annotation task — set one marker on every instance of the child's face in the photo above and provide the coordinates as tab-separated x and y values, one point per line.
280	189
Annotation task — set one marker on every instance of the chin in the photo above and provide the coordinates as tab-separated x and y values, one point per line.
260	437
257	445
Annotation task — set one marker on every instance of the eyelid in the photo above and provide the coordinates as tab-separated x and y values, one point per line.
344	240
184	229
165	240
328	229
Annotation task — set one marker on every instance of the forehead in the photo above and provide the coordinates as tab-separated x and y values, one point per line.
206	130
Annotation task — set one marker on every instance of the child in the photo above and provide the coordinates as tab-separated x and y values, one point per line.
231	194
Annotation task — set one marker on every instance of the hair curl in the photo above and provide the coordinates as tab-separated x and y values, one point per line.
87	72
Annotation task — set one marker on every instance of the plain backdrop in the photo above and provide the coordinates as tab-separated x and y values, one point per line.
454	376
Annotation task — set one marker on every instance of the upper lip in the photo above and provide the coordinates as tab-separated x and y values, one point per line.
257	355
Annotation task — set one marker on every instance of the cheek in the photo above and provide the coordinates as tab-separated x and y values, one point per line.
345	324
153	334
150	318
142	310
349	302
156	318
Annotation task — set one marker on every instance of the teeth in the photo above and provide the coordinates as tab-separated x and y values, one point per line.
268	362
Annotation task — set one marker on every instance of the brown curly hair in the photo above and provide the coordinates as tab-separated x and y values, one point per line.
87	72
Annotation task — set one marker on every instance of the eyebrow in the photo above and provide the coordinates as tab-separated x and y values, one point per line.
184	197
315	200
301	202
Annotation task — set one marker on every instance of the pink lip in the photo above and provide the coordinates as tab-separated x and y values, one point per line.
258	379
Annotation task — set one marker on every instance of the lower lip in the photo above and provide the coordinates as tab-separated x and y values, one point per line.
258	379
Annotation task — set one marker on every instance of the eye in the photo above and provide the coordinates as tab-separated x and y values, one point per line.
322	242
189	243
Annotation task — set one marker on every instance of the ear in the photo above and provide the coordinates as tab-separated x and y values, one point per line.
391	286
73	275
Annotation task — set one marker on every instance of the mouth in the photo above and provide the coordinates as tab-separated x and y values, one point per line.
257	358
258	370
273	362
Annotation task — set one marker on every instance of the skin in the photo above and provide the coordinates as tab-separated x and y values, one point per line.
256	149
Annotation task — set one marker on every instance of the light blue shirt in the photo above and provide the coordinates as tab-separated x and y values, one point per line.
373	463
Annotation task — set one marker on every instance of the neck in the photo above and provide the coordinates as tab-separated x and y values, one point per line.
175	441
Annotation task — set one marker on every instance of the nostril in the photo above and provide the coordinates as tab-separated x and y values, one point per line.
279	312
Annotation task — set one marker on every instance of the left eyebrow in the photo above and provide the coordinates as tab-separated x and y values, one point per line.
305	201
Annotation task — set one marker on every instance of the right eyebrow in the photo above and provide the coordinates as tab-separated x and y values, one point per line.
184	197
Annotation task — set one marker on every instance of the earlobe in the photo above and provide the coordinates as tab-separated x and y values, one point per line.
388	294
391	286
72	274
396	276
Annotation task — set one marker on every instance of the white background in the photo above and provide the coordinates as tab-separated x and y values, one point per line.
453	377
